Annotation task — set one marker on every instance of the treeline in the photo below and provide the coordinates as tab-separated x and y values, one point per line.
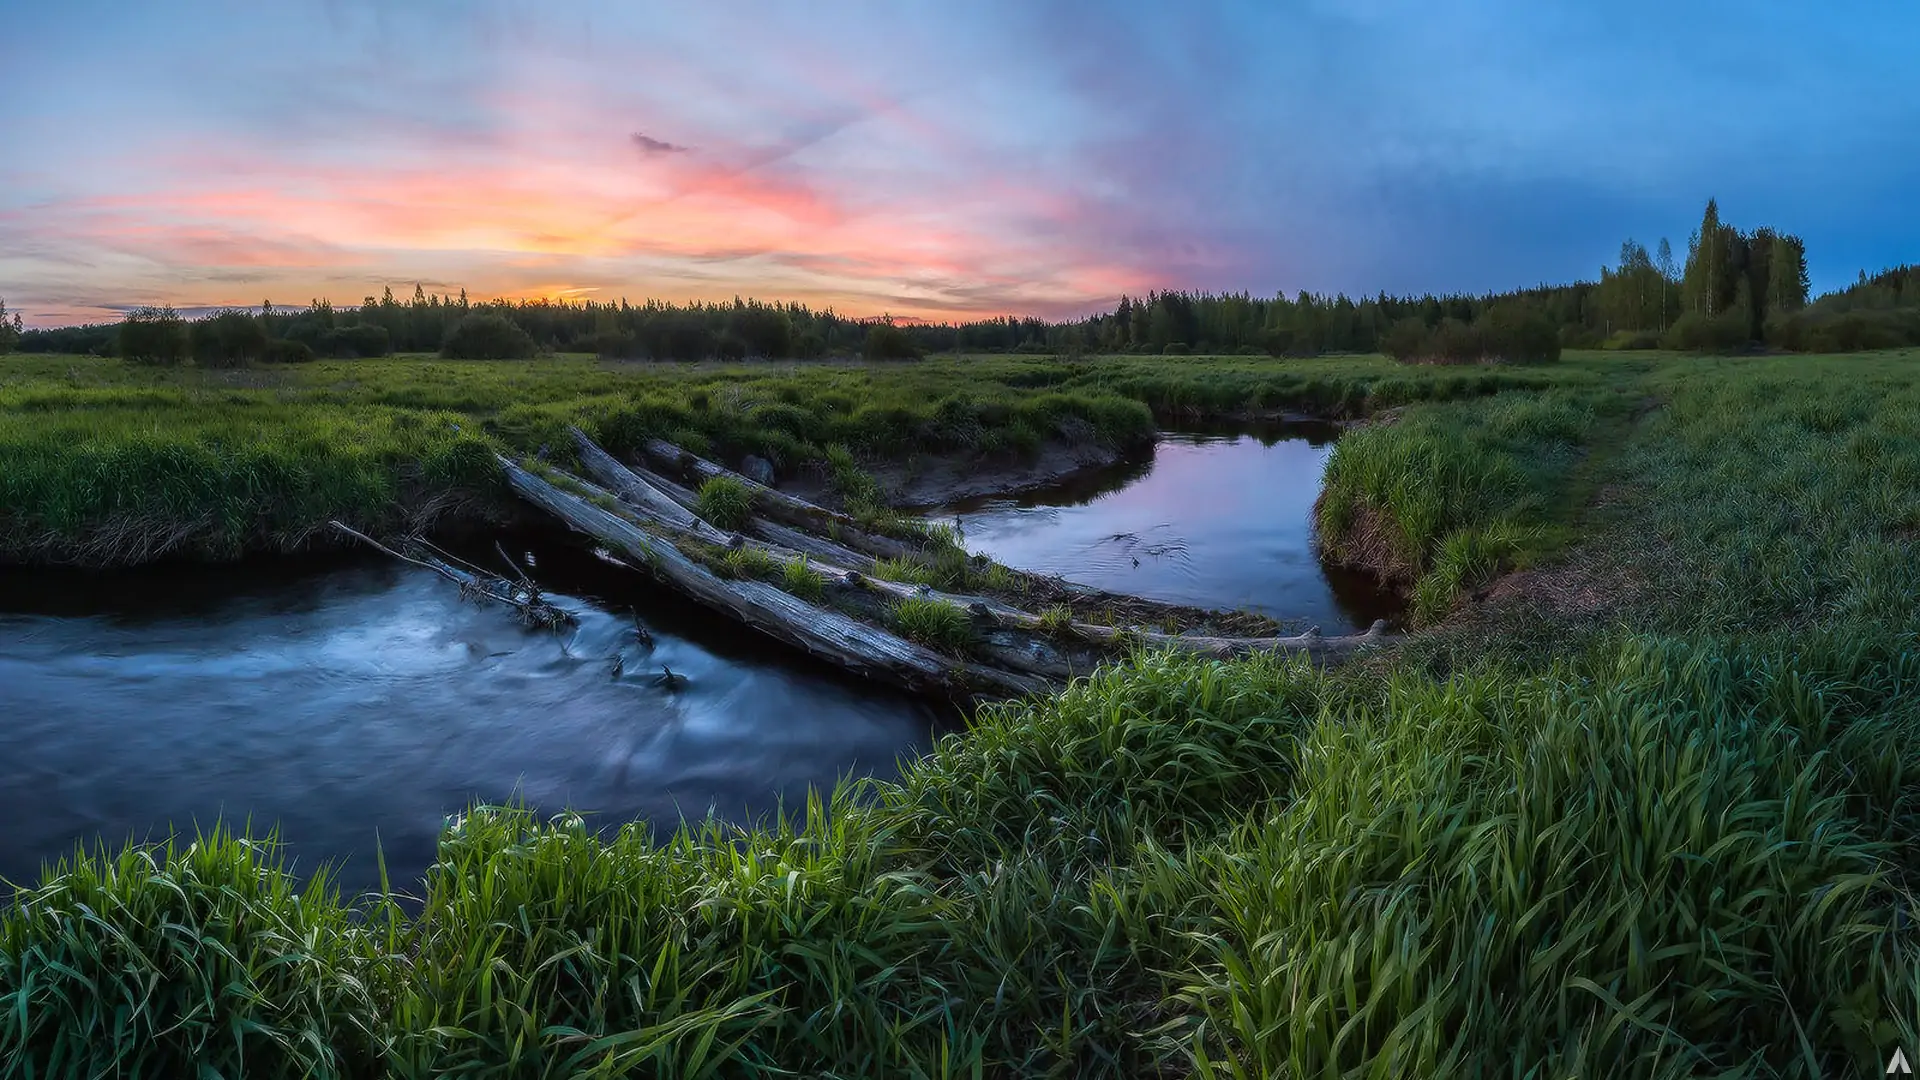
1734	290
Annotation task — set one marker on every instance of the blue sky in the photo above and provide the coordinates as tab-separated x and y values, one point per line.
935	160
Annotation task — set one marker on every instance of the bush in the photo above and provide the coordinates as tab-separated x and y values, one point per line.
611	346
228	339
1723	333
1406	339
1175	348
154	335
282	351
362	340
1848	331
888	342
728	347
487	336
1519	334
1632	339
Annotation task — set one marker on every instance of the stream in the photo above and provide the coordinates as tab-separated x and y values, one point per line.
354	702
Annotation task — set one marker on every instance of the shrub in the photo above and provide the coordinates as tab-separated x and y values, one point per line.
1175	348
1722	333
487	336
363	339
282	351
228	339
932	622
153	335
611	346
1405	339
888	342
730	348
1632	339
1519	334
725	503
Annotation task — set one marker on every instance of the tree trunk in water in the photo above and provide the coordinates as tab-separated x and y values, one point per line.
824	633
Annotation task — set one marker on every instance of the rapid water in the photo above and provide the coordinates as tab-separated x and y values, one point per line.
353	701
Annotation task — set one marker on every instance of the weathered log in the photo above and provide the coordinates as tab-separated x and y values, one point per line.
779	505
1312	643
638	486
605	468
824	633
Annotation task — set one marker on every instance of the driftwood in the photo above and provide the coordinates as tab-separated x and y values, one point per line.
780	506
640	488
524	599
827	634
621	480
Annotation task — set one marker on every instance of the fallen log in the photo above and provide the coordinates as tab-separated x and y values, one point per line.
619	478
822	632
779	505
640	488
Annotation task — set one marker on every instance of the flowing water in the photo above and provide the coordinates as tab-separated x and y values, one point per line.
1213	519
350	701
355	701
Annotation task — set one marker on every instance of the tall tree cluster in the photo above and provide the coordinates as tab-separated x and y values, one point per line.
10	329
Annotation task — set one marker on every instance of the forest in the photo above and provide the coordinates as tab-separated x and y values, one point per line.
1734	291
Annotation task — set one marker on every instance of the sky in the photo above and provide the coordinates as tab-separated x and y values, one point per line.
941	161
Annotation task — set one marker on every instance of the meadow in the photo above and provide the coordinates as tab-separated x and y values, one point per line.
1635	800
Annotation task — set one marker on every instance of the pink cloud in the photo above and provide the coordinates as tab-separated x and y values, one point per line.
485	215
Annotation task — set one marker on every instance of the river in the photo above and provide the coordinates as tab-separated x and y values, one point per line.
352	701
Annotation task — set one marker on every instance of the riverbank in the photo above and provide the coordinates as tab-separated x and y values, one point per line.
106	463
1640	790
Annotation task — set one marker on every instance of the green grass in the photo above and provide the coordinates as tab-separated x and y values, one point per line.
932	622
1656	821
1662	861
725	503
802	580
245	459
751	562
1057	621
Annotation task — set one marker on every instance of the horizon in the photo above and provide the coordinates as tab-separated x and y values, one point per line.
939	166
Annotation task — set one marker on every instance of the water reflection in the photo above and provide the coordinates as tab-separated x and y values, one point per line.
1220	518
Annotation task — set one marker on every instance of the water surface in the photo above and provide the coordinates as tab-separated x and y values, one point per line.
349	699
1212	519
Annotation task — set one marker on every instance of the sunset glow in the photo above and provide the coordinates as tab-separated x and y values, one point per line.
984	159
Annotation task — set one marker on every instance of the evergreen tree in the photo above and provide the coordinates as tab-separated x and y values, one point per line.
1787	282
10	329
1705	274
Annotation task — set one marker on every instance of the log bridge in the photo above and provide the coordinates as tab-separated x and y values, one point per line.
654	521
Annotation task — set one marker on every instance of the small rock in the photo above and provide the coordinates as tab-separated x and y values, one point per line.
757	469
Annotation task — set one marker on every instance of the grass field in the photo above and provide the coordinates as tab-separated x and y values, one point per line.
1638	802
